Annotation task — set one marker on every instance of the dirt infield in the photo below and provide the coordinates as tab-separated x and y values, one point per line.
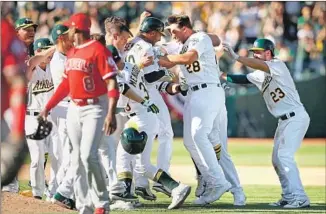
12	203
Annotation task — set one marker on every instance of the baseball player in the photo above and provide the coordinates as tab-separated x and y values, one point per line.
219	141
26	30
13	96
138	48
117	34
89	80
65	193
40	88
274	80
204	102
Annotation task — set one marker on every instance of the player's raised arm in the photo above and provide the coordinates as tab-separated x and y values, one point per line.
254	63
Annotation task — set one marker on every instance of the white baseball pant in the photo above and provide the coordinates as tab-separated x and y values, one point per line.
201	117
84	125
288	138
37	149
165	137
220	136
148	123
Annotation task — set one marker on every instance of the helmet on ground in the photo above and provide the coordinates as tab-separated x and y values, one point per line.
262	45
132	141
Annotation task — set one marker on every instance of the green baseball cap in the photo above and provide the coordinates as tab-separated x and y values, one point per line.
115	53
59	30
42	43
24	23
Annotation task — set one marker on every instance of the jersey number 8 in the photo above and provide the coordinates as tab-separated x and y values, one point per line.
88	83
194	67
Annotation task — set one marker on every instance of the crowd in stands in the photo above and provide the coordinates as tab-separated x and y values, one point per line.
297	28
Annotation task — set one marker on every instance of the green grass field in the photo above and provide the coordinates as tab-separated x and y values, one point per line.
258	196
253	154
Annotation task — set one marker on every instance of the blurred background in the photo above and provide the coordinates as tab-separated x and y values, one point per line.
297	29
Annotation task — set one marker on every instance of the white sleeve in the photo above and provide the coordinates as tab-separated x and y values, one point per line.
276	67
199	44
256	77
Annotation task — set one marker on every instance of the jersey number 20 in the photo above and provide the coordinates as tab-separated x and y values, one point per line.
194	67
277	94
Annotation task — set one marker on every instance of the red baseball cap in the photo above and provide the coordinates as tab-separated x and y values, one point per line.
79	20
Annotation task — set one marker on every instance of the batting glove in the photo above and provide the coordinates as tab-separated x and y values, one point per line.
227	48
151	107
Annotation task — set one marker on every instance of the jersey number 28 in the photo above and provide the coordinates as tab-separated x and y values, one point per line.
277	95
194	67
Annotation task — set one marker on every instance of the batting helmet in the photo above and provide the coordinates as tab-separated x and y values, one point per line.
263	44
152	24
132	141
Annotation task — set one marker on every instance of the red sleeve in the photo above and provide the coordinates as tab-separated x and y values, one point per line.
105	64
61	92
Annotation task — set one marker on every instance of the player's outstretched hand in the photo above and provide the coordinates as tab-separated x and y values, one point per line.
150	106
110	124
227	48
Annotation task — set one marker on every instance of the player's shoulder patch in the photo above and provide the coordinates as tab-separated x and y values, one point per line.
184	49
128	46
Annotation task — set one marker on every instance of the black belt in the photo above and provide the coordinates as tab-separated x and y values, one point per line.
33	113
132	114
204	85
287	116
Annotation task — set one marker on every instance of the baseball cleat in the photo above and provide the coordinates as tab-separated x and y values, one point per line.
124	196
162	189
101	211
279	203
200	186
63	201
212	194
145	193
297	204
179	195
38	197
239	199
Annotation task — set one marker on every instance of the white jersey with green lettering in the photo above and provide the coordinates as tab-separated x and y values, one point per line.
277	87
206	68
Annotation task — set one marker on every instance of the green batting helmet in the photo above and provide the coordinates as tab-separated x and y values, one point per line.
262	45
152	24
132	141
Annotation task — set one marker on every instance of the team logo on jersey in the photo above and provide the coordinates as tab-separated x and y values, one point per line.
42	86
78	64
184	49
266	82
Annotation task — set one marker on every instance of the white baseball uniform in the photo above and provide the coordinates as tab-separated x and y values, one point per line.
40	88
139	49
283	102
59	113
203	107
145	121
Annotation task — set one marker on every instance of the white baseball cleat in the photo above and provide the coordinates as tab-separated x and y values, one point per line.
179	195
239	199
212	194
201	184
301	203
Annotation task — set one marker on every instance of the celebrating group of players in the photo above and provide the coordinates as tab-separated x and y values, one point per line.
103	96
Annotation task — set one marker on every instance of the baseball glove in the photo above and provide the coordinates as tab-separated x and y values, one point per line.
43	130
12	157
